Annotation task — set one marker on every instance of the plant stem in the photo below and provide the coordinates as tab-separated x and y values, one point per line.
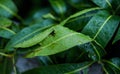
6	55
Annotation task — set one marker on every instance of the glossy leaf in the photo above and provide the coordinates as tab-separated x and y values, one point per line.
102	27
30	36
7	8
59	40
60	69
59	6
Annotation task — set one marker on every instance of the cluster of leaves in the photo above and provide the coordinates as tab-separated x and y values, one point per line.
67	36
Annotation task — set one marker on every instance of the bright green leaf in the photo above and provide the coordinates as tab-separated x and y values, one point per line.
59	40
31	35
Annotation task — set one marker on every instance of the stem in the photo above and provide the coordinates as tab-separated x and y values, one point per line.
14	66
6	55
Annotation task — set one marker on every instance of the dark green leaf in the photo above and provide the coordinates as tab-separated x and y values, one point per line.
103	3
117	37
59	40
80	4
102	27
60	69
78	14
59	6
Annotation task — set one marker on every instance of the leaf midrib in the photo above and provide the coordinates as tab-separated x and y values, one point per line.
57	41
99	30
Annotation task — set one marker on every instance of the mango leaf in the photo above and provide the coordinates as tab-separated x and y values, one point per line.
59	40
8	8
60	69
80	4
102	27
4	31
59	6
30	36
4	22
78	14
103	3
94	51
113	64
117	37
45	60
78	23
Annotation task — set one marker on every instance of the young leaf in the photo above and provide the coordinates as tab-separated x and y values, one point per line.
102	27
59	6
7	8
31	35
59	40
60	69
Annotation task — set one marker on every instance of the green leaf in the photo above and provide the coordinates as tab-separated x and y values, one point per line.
94	51
4	22
117	37
45	60
78	23
113	64
7	8
30	36
60	69
78	14
59	40
103	3
80	4
6	33
102	27
59	6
